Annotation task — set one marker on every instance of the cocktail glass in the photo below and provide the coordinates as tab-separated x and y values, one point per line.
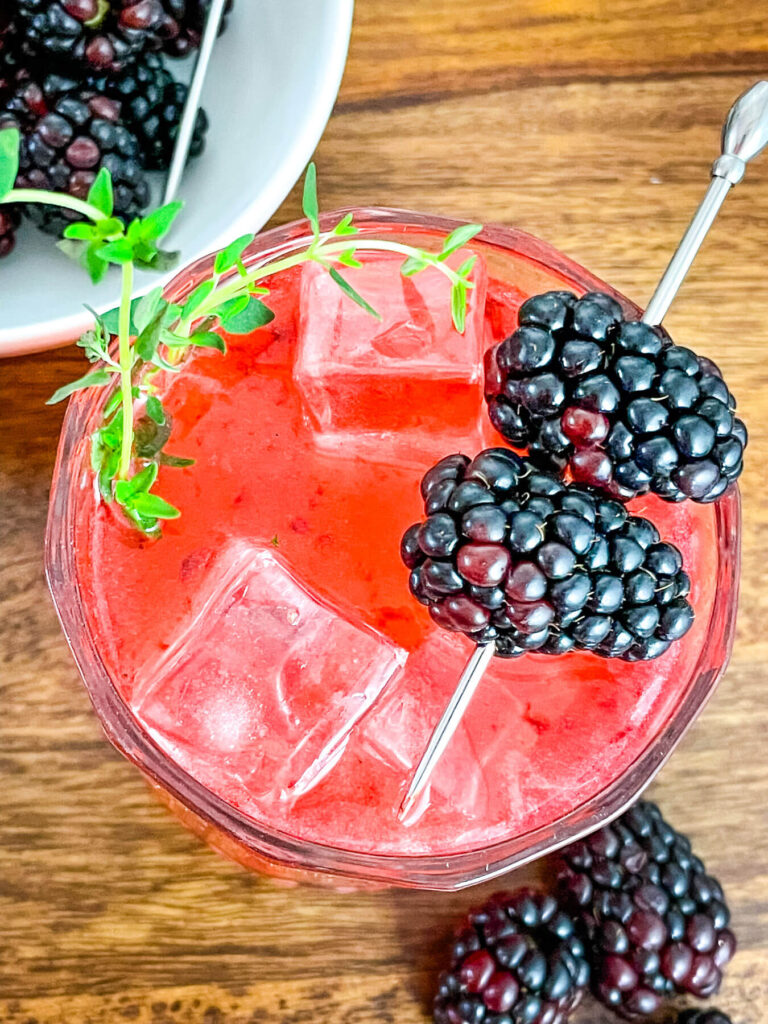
276	689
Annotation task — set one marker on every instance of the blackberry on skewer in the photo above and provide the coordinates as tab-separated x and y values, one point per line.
614	401
745	134
510	555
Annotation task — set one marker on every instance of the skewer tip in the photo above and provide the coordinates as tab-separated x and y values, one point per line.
406	804
449	722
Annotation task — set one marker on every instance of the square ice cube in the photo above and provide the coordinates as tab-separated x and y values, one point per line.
411	372
262	688
478	774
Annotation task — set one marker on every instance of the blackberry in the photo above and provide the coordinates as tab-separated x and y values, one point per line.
93	34
9	65
613	400
151	105
7	28
510	554
186	21
516	960
67	136
657	923
10	62
10	216
703	1017
9	223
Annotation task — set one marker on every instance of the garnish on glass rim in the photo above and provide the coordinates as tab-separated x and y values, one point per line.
154	335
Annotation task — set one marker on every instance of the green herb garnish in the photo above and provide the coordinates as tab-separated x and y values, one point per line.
154	334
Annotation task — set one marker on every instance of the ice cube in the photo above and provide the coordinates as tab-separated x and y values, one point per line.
411	374
479	771
260	692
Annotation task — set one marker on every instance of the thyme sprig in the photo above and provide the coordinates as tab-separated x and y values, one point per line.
155	335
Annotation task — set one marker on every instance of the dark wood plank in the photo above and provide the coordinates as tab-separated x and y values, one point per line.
418	51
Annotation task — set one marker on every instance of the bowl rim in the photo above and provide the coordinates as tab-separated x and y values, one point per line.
446	872
15	341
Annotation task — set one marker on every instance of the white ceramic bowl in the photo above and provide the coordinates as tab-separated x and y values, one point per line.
270	89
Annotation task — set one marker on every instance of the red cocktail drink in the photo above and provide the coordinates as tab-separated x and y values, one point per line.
264	662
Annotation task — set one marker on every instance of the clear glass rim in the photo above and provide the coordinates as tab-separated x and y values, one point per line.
440	872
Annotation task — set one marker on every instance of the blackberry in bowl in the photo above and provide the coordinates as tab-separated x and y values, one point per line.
303	46
614	401
68	134
151	106
185	24
10	218
92	34
8	53
109	35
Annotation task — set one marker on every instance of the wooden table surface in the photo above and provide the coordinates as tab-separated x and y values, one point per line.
591	124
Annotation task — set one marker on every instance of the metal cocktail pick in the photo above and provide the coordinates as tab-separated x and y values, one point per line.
745	134
191	107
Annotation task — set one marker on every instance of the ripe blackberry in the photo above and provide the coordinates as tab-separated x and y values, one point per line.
7	28
67	136
10	216
9	54
703	1017
9	223
657	923
186	21
614	400
515	960
151	105
510	554
95	34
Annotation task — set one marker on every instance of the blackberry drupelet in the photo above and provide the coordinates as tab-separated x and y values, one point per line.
186	20
151	105
67	136
93	34
703	1017
656	922
516	960
614	400
510	554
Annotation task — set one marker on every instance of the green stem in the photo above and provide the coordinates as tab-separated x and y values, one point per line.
242	284
375	245
126	381
238	287
33	195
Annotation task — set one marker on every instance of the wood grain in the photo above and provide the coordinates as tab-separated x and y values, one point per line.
592	125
